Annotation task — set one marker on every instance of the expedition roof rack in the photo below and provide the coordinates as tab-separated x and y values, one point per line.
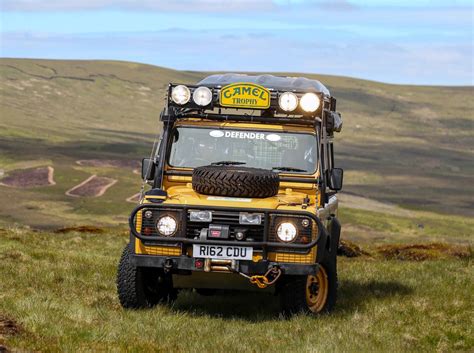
276	83
260	98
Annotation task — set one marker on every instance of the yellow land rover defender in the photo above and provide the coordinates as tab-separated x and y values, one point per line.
243	195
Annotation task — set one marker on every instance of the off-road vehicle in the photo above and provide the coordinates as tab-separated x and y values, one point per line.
243	195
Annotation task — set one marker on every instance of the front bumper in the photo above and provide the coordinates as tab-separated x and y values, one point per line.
265	244
183	264
174	263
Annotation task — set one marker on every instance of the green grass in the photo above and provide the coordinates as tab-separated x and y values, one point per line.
366	226
60	289
407	153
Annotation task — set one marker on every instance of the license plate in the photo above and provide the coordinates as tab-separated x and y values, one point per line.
223	252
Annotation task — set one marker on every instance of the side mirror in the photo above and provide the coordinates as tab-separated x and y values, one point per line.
148	169
335	179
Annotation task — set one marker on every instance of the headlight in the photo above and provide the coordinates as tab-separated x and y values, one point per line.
166	226
200	216
180	94
288	101
250	218
286	232
309	102
202	96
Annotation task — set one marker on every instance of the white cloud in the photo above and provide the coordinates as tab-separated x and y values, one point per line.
143	5
395	62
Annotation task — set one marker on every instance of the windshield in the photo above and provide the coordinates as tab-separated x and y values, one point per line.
281	151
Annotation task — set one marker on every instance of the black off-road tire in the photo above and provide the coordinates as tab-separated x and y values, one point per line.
235	181
142	287
293	298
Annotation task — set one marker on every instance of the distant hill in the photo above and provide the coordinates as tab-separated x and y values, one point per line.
411	146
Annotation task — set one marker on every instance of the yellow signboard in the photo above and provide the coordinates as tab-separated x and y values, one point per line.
245	95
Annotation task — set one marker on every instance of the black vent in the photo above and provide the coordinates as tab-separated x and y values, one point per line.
254	232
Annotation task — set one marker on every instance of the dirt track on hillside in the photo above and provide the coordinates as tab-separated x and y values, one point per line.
94	186
363	203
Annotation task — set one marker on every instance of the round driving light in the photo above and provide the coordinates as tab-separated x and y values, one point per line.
309	102
305	223
166	226
148	214
288	101
202	96
286	232
180	94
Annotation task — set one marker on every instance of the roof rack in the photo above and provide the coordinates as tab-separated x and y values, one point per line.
277	83
238	97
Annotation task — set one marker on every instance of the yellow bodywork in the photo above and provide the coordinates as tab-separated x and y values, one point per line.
289	198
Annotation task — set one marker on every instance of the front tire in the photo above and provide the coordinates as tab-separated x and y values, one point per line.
312	294
142	287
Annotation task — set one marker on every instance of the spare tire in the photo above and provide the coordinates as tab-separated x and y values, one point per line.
235	181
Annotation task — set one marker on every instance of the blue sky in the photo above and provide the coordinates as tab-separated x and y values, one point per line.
416	42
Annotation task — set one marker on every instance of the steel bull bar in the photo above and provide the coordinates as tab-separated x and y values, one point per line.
265	244
180	263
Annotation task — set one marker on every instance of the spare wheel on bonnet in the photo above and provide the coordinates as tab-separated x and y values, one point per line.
235	181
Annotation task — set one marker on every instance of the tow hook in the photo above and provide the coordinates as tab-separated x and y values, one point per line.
263	281
168	265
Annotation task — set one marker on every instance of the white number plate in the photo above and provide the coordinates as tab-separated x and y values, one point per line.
223	252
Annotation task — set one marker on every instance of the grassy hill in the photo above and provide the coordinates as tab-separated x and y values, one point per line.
408	146
407	153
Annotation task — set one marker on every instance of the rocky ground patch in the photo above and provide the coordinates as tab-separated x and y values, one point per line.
94	186
29	178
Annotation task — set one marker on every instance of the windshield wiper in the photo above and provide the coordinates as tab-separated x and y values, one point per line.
289	169
228	163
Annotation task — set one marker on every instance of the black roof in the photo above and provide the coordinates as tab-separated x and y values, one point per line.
280	83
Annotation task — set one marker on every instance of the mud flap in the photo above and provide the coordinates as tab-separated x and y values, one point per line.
335	235
329	242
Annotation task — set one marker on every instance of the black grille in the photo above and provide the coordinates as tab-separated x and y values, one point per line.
254	232
191	229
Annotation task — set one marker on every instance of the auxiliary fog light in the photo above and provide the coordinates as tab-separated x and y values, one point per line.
200	216
202	96
305	223
148	214
286	232
288	101
240	235
309	102
166	226
250	218
180	94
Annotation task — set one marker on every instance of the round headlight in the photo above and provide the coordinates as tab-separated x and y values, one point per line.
288	101
166	226
286	232
180	94
309	102
202	96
